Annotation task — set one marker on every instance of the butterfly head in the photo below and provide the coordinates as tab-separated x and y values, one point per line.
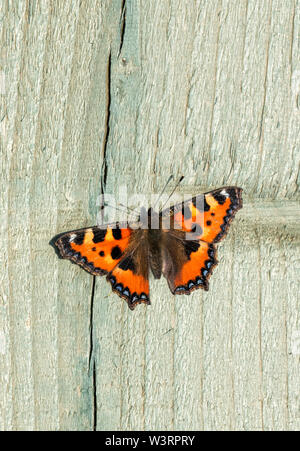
149	218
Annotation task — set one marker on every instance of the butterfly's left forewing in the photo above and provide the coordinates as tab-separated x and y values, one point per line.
114	250
97	250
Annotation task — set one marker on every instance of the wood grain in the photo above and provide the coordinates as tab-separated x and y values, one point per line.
96	95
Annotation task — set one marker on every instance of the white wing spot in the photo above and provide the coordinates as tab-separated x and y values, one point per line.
224	192
72	237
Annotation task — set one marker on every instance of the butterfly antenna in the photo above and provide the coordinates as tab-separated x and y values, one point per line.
179	181
164	189
119	209
134	210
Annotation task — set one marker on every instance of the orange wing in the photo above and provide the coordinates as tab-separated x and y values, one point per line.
207	216
194	227
196	270
97	250
115	251
129	279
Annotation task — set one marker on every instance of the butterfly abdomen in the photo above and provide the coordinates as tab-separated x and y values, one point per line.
155	257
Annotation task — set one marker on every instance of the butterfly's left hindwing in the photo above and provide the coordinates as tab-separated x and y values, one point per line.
130	278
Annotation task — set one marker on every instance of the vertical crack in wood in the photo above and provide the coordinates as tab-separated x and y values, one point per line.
92	357
122	25
107	128
92	362
91	322
95	396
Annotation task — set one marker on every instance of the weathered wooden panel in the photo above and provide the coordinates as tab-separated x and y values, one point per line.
50	179
134	91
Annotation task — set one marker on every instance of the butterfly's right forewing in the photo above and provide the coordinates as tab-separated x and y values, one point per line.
191	229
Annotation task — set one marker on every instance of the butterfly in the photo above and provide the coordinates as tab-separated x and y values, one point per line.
181	246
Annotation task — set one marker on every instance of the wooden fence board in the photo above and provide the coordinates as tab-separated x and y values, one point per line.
99	95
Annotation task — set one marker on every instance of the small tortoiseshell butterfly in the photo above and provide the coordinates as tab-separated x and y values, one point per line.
125	252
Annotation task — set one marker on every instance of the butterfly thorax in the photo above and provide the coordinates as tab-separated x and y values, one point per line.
152	233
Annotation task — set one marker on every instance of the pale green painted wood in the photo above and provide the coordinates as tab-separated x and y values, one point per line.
208	89
50	180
